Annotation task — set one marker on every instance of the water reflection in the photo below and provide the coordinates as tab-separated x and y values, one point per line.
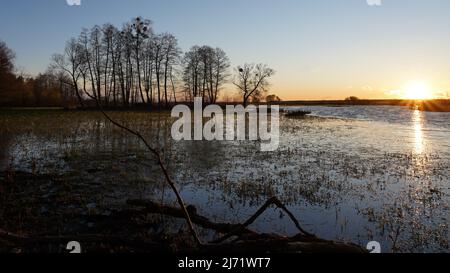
418	132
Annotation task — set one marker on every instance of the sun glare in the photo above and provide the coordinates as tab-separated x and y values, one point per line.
417	90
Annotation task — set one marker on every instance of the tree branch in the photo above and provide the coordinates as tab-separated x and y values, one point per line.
252	219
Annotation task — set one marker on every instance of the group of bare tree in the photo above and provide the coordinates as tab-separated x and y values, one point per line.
205	71
133	65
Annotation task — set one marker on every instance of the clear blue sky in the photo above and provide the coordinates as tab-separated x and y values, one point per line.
319	48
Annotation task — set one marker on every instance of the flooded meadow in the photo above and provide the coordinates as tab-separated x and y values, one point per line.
354	174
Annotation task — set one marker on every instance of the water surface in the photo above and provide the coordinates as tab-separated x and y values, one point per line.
356	174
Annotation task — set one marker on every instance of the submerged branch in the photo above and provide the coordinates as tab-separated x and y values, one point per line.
252	219
251	241
155	208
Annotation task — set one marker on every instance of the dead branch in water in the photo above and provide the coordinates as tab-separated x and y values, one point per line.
155	208
240	230
252	219
250	241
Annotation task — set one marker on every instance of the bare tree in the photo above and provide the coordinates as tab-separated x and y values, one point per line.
6	66
205	71
90	71
6	59
158	57
171	54
126	42
191	72
96	54
141	30
70	64
148	69
219	71
108	60
252	81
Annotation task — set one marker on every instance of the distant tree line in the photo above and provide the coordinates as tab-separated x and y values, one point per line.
133	65
17	89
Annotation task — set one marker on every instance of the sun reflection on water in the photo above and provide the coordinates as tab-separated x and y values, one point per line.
418	132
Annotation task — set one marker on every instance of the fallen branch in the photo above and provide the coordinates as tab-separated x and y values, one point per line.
272	201
155	208
251	241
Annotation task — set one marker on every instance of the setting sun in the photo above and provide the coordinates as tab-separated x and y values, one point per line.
417	90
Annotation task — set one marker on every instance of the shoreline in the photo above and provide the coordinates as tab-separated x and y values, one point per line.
437	105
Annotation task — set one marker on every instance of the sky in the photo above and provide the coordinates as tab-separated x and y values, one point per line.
320	49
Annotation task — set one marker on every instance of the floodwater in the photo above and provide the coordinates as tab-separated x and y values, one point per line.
356	174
